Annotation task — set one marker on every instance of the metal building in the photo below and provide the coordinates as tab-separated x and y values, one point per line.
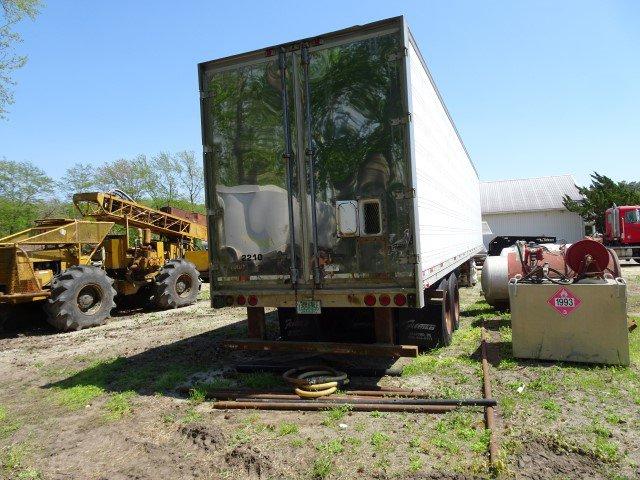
531	206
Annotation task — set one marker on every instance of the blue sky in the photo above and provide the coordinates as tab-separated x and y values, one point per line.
535	88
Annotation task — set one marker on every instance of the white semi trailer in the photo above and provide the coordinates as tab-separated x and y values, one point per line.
338	190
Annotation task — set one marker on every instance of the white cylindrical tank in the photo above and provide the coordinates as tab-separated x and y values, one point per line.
495	280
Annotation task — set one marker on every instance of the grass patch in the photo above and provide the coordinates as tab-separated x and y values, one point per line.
78	396
322	467
119	405
297	442
601	449
260	380
191	416
12	458
197	396
415	463
430	363
286	428
7	425
335	414
121	374
379	440
551	406
333	447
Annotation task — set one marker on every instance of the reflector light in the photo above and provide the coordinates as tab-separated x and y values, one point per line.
241	300
399	299
384	300
229	300
252	300
369	300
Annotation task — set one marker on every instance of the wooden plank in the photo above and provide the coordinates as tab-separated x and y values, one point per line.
372	350
383	324
256	323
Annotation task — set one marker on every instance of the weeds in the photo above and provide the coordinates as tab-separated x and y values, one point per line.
379	439
322	467
196	396
333	447
415	463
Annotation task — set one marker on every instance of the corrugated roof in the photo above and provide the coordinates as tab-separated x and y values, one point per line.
527	194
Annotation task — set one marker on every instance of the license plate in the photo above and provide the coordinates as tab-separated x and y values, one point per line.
308	307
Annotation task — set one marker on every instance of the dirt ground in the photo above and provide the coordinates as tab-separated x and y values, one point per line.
102	404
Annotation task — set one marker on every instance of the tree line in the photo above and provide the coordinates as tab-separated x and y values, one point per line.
602	194
28	193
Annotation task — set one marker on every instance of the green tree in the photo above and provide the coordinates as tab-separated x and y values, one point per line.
191	176
12	11
80	177
603	193
135	177
25	194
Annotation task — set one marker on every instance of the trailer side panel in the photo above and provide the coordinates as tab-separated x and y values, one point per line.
447	186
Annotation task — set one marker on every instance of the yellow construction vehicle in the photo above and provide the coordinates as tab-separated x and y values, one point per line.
77	267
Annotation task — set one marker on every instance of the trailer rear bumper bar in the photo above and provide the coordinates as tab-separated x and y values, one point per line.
372	350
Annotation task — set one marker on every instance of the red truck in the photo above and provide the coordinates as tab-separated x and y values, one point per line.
622	231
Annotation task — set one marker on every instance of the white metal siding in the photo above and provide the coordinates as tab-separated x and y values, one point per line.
566	226
447	186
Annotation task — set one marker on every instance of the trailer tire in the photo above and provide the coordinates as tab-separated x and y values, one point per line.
81	297
454	298
177	284
430	326
444	324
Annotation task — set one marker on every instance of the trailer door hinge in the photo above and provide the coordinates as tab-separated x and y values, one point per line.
206	94
401	120
398	55
207	149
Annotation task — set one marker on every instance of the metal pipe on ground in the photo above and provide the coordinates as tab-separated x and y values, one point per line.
321	406
471	402
489	412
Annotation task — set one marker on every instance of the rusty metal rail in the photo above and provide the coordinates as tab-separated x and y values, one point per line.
373	350
312	405
489	412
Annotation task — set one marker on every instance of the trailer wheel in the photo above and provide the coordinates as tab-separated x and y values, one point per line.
454	298
430	326
177	284
81	297
444	324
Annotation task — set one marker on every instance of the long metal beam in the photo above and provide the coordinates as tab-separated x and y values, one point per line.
374	349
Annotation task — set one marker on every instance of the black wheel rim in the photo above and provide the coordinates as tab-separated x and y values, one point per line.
184	285
89	299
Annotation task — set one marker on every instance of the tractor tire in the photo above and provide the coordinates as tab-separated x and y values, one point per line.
81	297
176	285
454	298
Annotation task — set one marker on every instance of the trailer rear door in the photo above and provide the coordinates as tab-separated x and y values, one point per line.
308	179
354	142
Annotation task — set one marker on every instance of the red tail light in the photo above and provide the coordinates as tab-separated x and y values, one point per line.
241	300
399	299
384	300
252	300
369	300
